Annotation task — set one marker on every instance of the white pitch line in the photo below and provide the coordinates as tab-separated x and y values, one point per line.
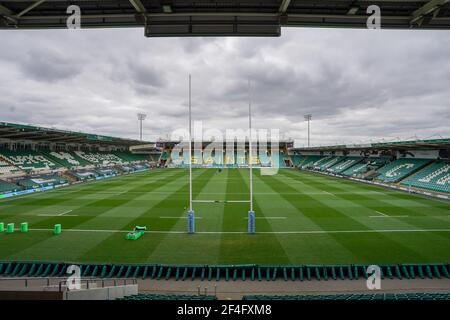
267	218
260	232
383	214
63	213
178	217
59	214
388	216
331	194
52	215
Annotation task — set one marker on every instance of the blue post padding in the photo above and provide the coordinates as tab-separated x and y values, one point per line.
251	222
191	221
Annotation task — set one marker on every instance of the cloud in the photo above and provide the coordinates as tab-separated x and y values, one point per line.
358	84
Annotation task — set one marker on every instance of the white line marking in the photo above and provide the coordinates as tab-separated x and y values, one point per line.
331	194
261	232
59	215
267	218
383	214
63	213
402	216
178	217
219	201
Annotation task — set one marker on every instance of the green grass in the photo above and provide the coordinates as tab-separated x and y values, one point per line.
302	218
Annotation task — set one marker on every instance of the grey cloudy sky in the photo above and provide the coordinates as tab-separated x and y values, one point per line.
358	84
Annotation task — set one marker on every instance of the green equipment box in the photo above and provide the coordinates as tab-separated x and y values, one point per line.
136	233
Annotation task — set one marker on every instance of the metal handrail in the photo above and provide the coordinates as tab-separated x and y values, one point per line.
62	283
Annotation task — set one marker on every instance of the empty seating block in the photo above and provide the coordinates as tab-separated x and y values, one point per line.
400	168
28	160
435	177
356	296
6	187
345	164
100	158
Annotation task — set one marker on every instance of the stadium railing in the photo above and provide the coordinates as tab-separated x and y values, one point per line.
227	272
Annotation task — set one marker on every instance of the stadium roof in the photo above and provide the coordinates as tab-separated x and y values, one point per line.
393	145
231	17
48	135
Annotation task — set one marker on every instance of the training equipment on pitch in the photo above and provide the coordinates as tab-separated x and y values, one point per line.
57	229
136	233
10	228
24	227
2	227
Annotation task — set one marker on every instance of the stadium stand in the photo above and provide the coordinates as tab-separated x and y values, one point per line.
400	168
67	159
100	158
28	160
297	159
218	158
131	157
7	169
264	159
147	296
329	163
8	187
310	161
229	159
41	181
241	158
356	169
232	272
345	164
356	296
85	175
435	177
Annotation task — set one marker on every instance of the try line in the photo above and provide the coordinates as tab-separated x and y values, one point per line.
260	232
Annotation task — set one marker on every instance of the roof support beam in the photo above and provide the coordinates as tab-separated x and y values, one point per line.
7	14
431	7
284	6
137	4
34	5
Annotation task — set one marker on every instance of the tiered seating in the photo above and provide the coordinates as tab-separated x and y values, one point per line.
131	157
329	163
100	158
400	168
85	175
154	157
8	187
356	169
229	159
264	159
29	160
241	158
218	158
345	164
67	159
146	296
297	159
355	296
309	161
435	177
6	168
41	181
197	158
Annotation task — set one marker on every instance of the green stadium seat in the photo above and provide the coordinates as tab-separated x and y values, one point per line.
435	177
400	169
